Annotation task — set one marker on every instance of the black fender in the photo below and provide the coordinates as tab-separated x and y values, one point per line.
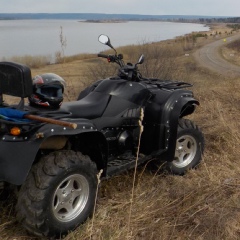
179	104
18	154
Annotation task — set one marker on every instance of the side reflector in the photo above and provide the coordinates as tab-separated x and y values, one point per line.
15	131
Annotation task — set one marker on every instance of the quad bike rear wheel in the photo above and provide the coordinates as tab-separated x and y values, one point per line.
58	195
189	148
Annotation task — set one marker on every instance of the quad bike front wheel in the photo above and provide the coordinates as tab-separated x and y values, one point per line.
58	195
189	148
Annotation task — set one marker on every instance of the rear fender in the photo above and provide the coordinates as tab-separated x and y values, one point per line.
18	154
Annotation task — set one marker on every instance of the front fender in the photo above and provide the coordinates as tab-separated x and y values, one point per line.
18	154
179	104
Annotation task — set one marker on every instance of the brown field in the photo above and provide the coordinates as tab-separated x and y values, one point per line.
231	52
204	204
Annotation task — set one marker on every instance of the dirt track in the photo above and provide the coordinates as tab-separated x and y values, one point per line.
208	56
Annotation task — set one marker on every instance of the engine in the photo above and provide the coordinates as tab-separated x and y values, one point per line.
119	141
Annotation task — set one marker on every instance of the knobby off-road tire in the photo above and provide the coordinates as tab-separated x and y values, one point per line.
58	195
189	148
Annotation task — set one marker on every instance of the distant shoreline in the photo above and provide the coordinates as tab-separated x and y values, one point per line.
110	17
106	21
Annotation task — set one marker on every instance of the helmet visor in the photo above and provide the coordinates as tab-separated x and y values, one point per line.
50	91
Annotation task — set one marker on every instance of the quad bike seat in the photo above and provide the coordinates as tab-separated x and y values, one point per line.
90	107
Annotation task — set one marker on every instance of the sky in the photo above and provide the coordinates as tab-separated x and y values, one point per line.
148	7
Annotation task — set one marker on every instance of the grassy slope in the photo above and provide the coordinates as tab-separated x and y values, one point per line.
203	204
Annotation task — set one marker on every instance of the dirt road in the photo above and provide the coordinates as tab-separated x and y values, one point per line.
208	56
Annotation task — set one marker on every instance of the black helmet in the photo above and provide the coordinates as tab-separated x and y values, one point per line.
48	90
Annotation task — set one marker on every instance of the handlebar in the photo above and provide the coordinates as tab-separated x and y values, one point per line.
110	58
102	55
113	58
130	72
127	71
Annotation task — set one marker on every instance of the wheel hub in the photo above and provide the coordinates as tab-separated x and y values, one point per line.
67	196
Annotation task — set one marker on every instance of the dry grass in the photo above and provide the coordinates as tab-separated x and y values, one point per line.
32	61
204	204
231	52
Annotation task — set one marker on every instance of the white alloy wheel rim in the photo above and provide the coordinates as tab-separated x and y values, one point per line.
186	149
70	197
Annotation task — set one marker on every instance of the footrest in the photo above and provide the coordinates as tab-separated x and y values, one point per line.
120	165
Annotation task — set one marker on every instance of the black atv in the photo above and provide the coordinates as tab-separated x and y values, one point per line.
54	157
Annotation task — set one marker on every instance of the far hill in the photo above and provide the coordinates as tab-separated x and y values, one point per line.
101	16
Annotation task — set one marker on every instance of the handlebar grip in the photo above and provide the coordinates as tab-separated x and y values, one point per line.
102	55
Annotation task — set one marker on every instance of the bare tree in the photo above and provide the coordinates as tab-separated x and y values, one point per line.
63	41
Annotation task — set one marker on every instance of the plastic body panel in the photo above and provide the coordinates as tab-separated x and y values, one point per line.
18	154
134	92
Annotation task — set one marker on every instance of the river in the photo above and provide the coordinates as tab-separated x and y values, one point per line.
42	37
